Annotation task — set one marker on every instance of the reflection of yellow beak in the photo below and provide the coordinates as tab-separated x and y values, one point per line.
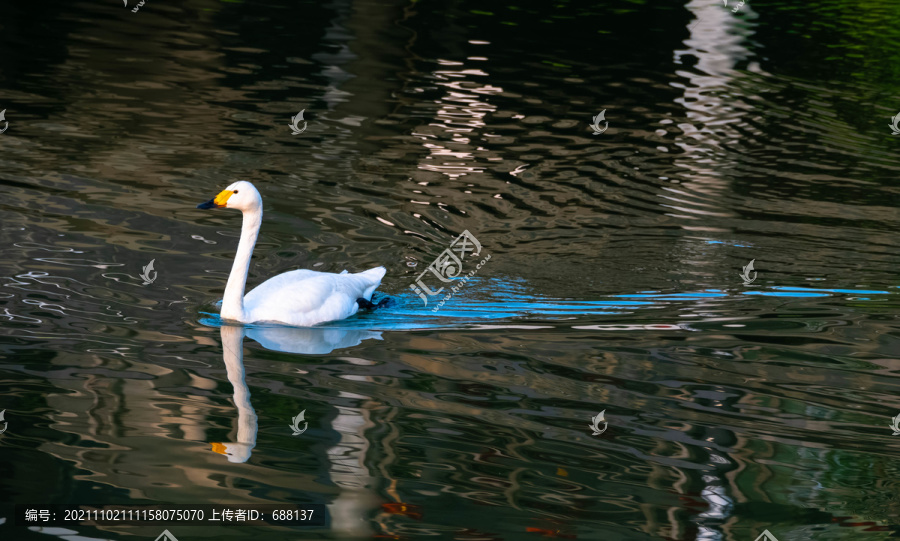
219	448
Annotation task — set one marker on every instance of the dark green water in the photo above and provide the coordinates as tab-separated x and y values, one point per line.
613	283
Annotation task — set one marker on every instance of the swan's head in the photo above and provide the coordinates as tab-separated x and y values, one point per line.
241	195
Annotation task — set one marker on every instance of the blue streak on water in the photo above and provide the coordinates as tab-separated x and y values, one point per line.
786	294
792	291
493	299
709	293
488	300
729	243
850	291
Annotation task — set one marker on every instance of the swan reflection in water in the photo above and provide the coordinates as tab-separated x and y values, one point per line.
347	455
233	355
309	341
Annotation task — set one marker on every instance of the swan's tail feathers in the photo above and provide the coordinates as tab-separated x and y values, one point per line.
373	278
375	274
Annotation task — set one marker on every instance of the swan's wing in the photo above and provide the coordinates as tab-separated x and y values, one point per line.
295	291
305	298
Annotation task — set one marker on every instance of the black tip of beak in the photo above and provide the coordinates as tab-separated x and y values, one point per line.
208	205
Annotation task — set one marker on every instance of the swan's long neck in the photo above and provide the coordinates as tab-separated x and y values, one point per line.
233	301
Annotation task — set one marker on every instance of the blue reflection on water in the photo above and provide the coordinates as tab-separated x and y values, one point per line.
788	291
492	299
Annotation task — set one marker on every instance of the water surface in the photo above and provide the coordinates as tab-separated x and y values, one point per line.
613	284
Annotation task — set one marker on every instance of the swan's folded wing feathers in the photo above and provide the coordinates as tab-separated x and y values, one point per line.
294	291
304	297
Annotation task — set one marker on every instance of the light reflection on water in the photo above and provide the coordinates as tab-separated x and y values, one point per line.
613	284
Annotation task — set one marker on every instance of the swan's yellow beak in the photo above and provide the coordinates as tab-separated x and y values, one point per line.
220	448
218	201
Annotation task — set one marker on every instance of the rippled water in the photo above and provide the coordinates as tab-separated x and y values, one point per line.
613	282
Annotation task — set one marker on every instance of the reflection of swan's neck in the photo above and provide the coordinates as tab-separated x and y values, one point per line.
233	355
233	300
247	422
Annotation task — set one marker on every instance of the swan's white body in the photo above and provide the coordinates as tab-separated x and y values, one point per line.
301	298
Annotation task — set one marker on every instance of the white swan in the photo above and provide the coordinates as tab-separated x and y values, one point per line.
300	298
